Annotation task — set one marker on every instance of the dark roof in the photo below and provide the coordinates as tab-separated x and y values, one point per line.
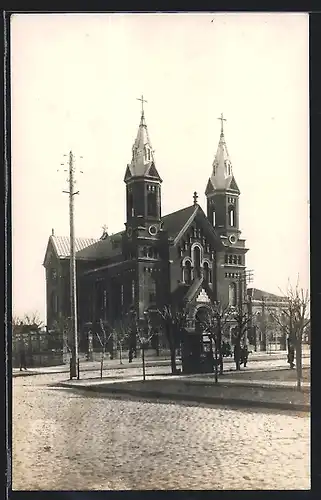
257	294
178	295
233	185
174	222
103	249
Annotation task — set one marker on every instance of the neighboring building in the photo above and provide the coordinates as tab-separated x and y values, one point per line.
268	333
156	259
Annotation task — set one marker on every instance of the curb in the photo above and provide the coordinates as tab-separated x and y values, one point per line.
92	369
250	385
25	374
149	364
248	403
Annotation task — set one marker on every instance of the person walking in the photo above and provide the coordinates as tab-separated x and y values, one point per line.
291	356
244	355
237	356
23	362
290	352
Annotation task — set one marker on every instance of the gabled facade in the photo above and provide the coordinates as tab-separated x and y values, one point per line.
265	308
187	255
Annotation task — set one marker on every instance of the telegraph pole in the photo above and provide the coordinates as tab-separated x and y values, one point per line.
74	364
244	277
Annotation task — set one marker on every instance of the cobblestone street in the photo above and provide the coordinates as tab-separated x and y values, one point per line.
68	440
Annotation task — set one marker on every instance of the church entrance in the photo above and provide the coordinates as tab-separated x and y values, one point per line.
197	353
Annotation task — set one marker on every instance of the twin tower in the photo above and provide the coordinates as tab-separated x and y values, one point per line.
143	189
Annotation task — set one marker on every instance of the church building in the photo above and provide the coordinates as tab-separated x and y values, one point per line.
157	259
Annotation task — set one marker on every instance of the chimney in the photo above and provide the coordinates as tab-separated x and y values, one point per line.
52	232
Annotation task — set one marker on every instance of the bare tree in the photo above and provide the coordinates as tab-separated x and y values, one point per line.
15	320
217	317
173	322
29	321
294	320
103	339
144	334
62	326
33	319
121	333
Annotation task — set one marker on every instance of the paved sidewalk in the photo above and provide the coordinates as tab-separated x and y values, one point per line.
228	392
197	379
87	366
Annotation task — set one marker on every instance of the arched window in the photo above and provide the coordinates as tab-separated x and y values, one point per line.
197	261
231	216
133	291
187	273
232	294
206	272
235	259
147	153
151	204
213	218
145	252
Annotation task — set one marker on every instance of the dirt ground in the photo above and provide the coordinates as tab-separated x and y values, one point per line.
63	440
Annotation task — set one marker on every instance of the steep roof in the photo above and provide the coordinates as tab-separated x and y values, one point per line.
62	244
178	222
102	249
142	163
222	175
174	222
93	249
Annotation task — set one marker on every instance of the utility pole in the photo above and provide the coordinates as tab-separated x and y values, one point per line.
244	277
74	364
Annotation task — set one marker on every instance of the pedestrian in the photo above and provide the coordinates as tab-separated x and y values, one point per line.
237	355
130	355
23	362
244	355
291	356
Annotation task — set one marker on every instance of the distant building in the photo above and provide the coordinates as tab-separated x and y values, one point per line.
268	333
157	259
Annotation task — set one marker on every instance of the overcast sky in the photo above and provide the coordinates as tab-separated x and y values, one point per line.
75	80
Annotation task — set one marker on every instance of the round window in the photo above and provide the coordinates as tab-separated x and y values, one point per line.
152	230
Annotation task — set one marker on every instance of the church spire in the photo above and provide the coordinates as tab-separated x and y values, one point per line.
142	151
222	174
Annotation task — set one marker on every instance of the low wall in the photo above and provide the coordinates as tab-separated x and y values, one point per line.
40	359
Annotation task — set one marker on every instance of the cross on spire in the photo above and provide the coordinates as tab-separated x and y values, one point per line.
195	196
222	120
142	101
